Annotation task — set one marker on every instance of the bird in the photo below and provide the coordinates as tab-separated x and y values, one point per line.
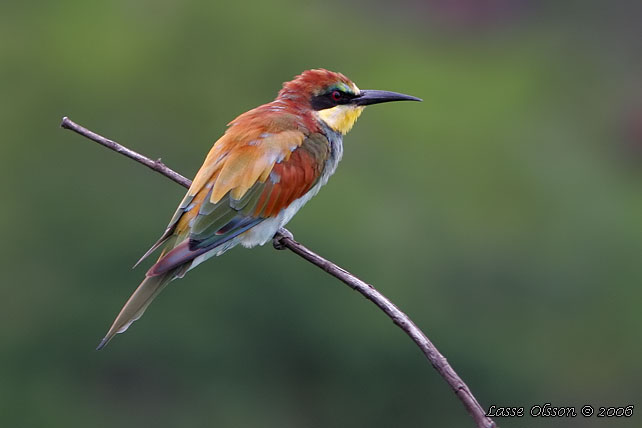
270	161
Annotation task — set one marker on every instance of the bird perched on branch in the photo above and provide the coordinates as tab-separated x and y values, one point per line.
267	165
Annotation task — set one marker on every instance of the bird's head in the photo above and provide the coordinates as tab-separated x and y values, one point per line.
336	99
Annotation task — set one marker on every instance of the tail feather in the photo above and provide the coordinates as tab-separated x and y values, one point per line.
137	303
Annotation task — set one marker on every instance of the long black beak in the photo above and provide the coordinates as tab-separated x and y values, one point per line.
372	96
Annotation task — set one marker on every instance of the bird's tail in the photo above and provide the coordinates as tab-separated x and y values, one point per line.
137	303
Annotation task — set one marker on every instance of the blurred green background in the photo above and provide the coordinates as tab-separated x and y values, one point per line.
503	214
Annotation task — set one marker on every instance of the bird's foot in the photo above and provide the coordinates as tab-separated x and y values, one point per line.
280	236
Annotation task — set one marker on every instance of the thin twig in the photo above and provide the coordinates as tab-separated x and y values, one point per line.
284	239
156	165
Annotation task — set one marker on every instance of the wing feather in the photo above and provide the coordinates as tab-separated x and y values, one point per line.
243	190
292	179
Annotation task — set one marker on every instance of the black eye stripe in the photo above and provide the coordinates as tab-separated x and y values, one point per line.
330	99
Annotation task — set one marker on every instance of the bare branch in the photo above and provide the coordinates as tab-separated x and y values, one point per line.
156	165
284	239
402	320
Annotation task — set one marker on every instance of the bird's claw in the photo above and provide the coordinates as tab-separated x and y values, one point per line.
277	240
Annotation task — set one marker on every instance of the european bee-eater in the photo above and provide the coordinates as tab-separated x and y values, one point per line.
267	165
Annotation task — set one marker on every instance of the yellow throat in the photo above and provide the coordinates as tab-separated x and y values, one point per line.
341	118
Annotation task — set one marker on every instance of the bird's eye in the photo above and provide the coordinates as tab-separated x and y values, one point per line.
336	95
